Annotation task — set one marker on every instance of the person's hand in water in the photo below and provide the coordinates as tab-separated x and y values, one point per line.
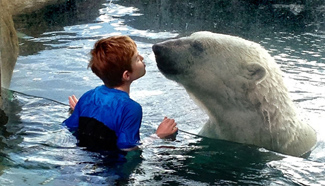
72	102
167	129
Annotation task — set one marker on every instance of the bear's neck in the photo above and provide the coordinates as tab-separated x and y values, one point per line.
265	110
229	120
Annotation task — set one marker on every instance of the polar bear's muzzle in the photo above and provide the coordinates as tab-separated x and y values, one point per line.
164	58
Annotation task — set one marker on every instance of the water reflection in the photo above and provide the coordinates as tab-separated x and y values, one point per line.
53	17
212	162
249	19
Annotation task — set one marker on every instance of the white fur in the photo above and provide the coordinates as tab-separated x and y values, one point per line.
240	87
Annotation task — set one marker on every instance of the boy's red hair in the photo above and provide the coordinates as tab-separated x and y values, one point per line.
111	57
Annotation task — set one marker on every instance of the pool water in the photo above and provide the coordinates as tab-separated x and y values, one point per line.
37	150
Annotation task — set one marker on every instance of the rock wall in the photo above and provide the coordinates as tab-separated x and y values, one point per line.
9	47
8	43
8	37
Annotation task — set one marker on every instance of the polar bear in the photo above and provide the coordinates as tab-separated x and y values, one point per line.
240	87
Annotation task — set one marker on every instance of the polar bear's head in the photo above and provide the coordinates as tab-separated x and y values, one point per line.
240	87
231	65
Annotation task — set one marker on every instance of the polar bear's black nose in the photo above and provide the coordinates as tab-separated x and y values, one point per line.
162	54
163	58
156	48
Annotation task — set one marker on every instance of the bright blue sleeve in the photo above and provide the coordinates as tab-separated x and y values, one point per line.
129	133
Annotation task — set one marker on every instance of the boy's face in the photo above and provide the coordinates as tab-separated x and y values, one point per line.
138	66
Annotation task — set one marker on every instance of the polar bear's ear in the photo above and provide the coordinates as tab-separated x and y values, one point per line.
255	72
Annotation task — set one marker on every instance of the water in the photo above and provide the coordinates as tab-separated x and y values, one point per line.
36	150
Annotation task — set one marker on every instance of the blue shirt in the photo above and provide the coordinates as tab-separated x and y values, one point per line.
115	109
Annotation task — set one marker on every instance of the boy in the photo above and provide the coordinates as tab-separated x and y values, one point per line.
106	118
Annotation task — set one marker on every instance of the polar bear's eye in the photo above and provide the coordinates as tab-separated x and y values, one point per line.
197	46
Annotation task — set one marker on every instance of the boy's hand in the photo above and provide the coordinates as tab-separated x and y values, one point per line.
72	101
167	128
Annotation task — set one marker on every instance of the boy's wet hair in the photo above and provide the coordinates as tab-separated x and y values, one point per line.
110	57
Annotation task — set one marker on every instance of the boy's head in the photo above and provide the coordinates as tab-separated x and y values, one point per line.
110	57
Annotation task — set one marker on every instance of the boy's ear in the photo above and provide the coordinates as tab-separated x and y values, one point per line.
126	75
